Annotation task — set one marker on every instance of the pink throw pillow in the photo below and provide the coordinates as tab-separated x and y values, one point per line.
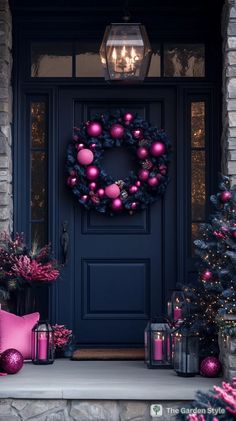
15	332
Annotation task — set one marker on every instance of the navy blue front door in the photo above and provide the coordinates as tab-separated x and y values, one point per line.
119	268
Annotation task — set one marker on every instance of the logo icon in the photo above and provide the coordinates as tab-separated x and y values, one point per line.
156	410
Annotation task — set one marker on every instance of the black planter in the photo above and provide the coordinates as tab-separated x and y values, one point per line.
31	298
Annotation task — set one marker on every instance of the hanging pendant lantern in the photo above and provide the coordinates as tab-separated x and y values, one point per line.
125	52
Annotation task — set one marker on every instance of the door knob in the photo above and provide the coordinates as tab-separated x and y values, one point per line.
64	240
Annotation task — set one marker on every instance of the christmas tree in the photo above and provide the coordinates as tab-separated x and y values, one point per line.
214	294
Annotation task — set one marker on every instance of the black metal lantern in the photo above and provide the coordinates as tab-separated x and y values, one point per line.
186	354
42	343
175	307
125	52
158	344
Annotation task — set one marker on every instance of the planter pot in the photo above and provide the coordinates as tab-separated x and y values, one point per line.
29	298
227	345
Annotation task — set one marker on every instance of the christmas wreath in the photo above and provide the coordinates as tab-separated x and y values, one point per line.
94	188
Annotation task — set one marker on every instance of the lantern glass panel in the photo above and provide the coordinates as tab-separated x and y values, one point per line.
186	355
42	343
175	306
157	343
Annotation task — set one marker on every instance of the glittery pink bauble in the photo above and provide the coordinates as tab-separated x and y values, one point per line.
85	157
101	192
116	204
207	275
112	191
210	367
128	117
143	175
138	183
153	181
84	197
94	129
11	361
92	172
137	133
92	186
133	205
142	152
225	196
157	148
133	189
71	181
117	131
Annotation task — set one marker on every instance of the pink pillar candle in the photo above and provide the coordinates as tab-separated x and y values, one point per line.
42	346
177	313
158	348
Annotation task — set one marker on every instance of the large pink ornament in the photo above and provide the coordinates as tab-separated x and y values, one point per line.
116	204
143	175
117	131
137	133
112	191
92	172
94	129
85	157
133	189
92	185
207	275
71	181
142	152
157	148
225	196
128	117
153	181
101	192
210	367
11	361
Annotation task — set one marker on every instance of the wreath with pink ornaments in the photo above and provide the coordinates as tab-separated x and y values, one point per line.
90	183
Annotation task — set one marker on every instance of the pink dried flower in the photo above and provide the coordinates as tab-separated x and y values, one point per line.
31	270
62	335
228	394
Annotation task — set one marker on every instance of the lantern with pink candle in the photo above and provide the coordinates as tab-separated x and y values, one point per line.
42	343
175	307
157	342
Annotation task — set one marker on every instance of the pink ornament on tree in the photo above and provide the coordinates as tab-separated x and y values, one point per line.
92	186
234	234
101	192
71	181
133	189
210	367
84	197
207	275
225	196
11	361
128	117
85	157
112	191
137	133
117	131
92	146
79	146
157	148
94	128
153	181
142	152
75	138
143	175
116	204
133	205
92	172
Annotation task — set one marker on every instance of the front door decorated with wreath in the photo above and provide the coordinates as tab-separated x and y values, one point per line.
120	255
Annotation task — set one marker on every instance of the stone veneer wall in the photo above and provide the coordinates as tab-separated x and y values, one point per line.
5	117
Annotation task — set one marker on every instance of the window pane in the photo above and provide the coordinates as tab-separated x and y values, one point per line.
198	124
198	185
38	124
155	65
38	185
38	234
184	60
51	59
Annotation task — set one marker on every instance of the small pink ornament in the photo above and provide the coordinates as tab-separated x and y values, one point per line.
128	117
234	234
84	197
153	181
157	148
137	133
92	172
92	146
112	191
71	181
142	152
75	138
94	128
92	185
11	361
116	204
79	146
133	205
163	169
85	157
225	196
210	367
143	175
138	183
207	275
101	192
117	131
133	189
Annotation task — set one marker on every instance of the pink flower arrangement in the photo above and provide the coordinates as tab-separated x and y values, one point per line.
31	270
62	335
227	393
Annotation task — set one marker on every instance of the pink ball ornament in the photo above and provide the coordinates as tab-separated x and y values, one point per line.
11	361
133	205
112	191
117	131
85	157
137	133
94	129
72	181
133	189
92	146
84	197
225	196
101	192
116	204
143	175
128	117
157	148
207	275
75	138
210	367
153	181
92	172
92	186
79	146
142	152
138	183
234	234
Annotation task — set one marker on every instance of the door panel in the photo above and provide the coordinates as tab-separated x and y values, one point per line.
119	267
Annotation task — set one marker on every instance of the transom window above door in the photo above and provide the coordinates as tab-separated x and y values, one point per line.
68	59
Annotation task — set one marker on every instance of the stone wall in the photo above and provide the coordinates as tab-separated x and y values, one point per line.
5	117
